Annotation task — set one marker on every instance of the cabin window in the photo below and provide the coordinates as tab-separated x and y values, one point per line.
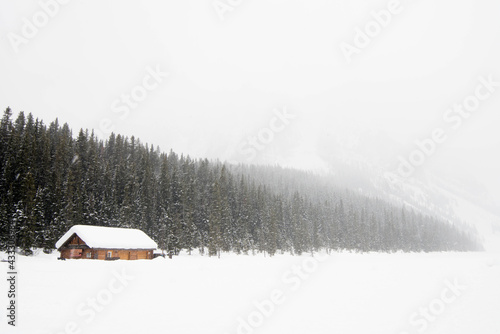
110	254
89	255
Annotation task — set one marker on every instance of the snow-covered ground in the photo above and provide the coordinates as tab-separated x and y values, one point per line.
456	293
340	293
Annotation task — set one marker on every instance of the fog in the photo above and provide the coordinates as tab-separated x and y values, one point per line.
316	85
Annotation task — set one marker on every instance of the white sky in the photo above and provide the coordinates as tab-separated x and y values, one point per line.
227	76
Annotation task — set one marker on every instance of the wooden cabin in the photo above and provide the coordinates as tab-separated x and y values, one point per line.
105	243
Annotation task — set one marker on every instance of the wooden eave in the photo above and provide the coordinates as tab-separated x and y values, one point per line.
66	244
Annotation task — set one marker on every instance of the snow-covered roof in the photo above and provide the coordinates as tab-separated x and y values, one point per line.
109	237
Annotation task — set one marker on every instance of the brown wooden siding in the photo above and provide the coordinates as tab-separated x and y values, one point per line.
102	254
87	254
71	253
75	240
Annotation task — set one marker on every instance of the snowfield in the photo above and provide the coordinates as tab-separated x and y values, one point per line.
338	293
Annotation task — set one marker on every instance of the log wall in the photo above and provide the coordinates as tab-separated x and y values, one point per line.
102	254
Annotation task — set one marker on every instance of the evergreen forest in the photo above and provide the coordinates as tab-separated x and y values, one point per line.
52	178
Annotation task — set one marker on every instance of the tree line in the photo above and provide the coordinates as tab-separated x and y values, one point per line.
51	179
